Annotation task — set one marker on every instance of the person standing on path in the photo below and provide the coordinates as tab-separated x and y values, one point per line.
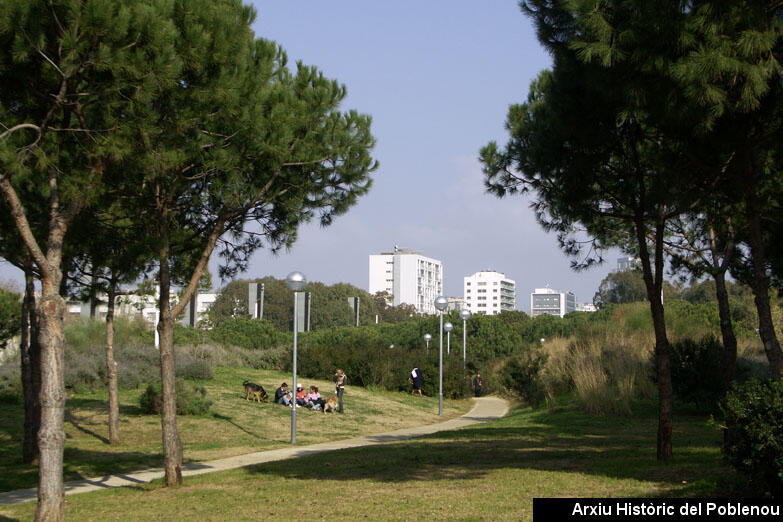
340	381
416	381
478	384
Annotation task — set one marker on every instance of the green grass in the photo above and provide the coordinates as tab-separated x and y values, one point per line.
232	427
486	471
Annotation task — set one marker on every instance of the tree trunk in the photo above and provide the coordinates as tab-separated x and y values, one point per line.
726	330
111	370
172	445
760	278
30	351
654	286
51	435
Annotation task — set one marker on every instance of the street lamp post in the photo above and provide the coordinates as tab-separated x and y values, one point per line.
295	281
440	304
464	315
448	327
427	339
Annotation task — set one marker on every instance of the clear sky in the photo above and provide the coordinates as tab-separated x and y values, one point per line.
437	77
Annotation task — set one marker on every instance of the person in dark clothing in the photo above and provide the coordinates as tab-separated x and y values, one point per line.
416	380
478	384
282	396
340	380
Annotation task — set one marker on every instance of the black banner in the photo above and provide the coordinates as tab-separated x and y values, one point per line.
655	509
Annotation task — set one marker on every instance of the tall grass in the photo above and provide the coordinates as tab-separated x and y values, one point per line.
607	369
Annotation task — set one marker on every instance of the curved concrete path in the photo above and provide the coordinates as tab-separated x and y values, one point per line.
484	409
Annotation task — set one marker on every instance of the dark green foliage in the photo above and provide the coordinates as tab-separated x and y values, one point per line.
697	375
754	444
191	399
247	333
521	375
188	335
10	315
329	305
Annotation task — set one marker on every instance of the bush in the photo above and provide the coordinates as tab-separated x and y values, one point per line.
753	415
697	374
190	367
521	374
246	332
191	399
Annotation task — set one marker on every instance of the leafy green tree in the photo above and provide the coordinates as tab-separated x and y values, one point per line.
621	287
234	138
600	142
731	66
70	73
387	313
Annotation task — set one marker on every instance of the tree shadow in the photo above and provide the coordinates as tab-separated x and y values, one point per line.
574	443
231	421
76	422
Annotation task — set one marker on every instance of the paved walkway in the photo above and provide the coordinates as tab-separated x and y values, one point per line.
484	409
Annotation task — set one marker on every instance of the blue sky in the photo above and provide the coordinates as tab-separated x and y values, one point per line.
437	77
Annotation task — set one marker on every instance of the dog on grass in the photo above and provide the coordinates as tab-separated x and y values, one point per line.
331	404
257	390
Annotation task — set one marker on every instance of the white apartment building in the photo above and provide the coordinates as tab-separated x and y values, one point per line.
489	292
552	302
410	277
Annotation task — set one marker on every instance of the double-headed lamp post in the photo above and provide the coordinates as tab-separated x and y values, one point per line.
440	304
295	281
464	315
427	339
448	327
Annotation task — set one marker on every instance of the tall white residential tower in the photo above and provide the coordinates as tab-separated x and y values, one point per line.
489	292
410	277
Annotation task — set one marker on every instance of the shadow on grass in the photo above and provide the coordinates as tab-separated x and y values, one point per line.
230	420
569	441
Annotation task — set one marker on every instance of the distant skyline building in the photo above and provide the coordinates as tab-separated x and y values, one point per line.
455	303
627	263
552	302
409	276
489	292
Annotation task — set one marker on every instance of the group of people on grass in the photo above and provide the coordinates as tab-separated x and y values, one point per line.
311	398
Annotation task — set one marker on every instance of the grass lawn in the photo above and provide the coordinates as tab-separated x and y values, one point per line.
486	471
233	426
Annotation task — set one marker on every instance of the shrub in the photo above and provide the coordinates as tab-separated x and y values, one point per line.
190	367
753	415
191	399
247	333
521	374
697	375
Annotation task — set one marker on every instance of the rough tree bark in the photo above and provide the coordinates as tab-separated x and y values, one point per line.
111	368
654	285
31	371
760	278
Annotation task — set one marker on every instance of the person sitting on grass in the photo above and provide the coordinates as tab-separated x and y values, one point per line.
301	394
313	399
282	395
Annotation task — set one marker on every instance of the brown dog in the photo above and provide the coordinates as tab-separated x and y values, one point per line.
331	404
257	390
